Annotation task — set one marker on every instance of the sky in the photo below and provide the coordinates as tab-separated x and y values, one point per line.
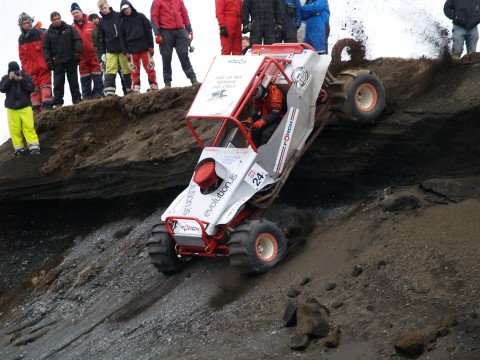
389	28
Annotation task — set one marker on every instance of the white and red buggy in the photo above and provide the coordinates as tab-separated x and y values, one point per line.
221	211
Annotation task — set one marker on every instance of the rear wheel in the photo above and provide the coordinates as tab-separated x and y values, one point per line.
357	96
256	246
161	248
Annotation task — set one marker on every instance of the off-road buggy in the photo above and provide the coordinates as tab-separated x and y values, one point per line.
234	183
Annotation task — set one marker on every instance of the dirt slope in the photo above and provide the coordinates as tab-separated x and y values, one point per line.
389	219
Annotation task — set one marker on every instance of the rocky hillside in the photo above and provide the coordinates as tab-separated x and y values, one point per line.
383	226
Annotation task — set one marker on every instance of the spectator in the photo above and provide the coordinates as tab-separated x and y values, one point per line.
137	44
267	104
95	19
90	71
229	17
465	15
172	29
110	48
245	44
33	63
18	86
316	13
62	46
292	20
263	19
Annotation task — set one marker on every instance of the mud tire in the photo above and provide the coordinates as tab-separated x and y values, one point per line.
161	248
355	50
257	246
357	96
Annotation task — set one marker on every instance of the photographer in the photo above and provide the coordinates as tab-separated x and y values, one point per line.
18	86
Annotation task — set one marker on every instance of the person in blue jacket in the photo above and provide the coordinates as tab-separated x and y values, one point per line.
316	13
292	20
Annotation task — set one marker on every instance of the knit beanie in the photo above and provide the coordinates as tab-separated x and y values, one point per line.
13	66
75	7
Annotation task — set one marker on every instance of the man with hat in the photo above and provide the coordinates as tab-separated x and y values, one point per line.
18	86
89	66
33	63
137	44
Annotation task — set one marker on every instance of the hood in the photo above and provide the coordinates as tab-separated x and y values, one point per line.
62	26
109	15
126	2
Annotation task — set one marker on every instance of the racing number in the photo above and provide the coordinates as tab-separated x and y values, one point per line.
256	176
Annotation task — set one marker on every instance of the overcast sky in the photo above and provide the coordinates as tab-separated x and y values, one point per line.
391	28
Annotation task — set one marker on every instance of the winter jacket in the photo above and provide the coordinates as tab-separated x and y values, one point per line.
85	31
61	44
464	13
109	33
135	31
293	12
170	15
17	92
30	51
316	13
262	11
228	12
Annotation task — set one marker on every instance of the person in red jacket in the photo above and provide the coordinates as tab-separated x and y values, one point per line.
229	17
31	56
90	71
268	107
172	29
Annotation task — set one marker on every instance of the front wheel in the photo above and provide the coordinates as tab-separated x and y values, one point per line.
357	96
257	246
161	248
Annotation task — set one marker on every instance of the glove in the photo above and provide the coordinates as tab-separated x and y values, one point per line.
246	28
223	31
76	58
159	39
259	124
190	35
151	51
50	64
11	75
104	58
278	28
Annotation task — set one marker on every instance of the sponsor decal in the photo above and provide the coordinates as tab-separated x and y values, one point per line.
287	137
189	200
220	194
218	95
189	228
301	79
237	61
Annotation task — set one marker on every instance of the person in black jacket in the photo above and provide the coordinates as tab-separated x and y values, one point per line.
263	19
137	44
110	48
465	15
62	46
18	86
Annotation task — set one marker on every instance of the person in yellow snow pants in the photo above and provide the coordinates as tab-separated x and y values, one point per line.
17	86
20	125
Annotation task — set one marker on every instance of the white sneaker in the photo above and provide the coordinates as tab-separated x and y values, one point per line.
136	88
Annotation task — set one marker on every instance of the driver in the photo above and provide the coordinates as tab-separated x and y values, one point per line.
267	104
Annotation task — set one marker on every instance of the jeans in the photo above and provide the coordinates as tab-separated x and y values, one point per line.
460	36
